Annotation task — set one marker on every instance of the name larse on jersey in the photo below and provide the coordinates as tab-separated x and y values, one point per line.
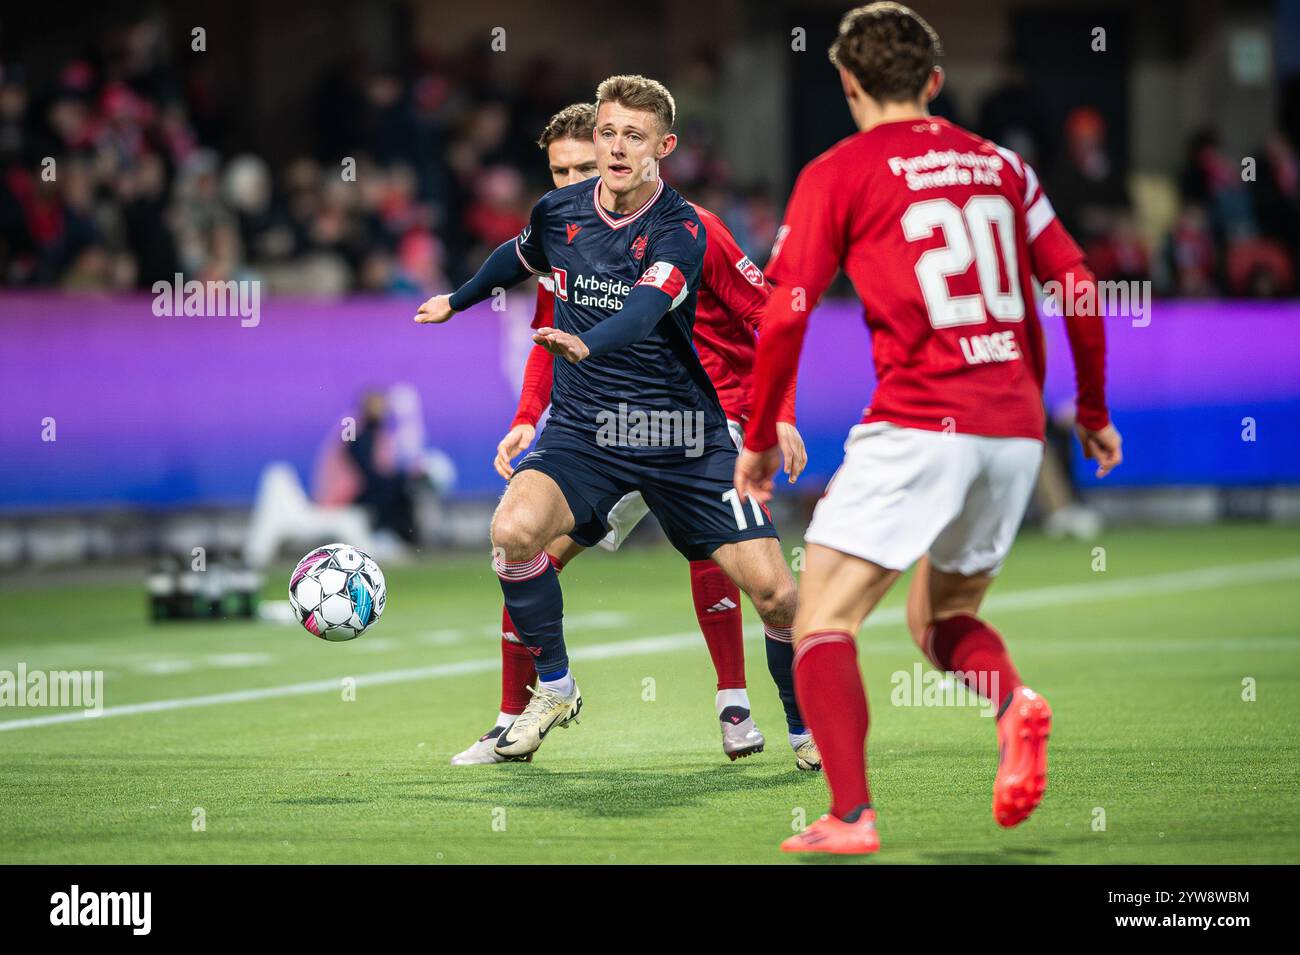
982	349
936	168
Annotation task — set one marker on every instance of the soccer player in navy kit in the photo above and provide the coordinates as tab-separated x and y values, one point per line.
632	406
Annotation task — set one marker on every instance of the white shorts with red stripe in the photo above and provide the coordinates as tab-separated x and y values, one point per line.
904	492
631	508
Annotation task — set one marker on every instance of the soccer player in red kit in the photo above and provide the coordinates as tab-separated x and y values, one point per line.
941	233
732	295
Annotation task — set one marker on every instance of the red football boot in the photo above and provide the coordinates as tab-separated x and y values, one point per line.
829	834
1022	757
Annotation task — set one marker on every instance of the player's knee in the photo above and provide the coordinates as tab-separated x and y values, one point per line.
514	536
776	601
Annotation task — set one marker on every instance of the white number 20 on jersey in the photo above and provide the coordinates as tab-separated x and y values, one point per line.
969	234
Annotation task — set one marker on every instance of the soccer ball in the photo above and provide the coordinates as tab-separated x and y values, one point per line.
338	592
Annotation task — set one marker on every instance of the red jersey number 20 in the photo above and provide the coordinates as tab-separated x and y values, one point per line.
982	231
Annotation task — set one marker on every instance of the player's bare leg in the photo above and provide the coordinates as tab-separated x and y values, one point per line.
531	515
836	592
759	569
942	614
518	675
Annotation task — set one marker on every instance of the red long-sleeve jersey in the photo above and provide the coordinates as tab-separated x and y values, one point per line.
941	233
728	314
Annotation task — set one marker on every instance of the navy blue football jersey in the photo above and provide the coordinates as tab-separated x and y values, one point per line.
595	258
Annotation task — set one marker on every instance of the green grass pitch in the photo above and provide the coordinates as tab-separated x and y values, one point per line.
1156	756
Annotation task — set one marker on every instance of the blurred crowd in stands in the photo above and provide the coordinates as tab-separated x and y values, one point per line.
446	168
1226	226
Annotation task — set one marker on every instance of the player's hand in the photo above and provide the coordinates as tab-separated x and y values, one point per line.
568	347
755	471
435	311
790	441
1103	447
516	439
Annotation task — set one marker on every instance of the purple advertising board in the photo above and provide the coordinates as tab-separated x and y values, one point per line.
106	403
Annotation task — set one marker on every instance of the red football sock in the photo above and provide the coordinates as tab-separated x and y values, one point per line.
717	607
833	701
517	669
966	644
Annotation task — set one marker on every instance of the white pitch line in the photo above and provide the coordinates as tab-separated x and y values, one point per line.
1166	583
1178	581
665	644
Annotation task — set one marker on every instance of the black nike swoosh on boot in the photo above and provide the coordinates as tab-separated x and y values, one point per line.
542	734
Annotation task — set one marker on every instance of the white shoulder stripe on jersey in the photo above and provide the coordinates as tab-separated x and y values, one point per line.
1038	217
1010	157
1026	172
1032	190
520	253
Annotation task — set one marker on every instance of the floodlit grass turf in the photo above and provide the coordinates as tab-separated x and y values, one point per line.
1151	728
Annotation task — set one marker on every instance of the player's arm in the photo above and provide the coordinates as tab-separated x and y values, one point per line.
1086	331
732	278
786	413
809	250
535	395
644	306
739	285
788	438
508	265
1058	264
752	308
742	289
677	257
539	371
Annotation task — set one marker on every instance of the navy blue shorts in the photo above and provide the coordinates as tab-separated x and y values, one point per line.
692	497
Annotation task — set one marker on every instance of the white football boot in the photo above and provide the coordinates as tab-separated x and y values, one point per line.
806	754
740	737
546	710
482	752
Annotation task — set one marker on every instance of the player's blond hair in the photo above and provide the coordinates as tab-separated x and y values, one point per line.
573	122
889	48
640	93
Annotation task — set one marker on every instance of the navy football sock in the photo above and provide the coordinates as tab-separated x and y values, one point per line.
780	663
532	595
